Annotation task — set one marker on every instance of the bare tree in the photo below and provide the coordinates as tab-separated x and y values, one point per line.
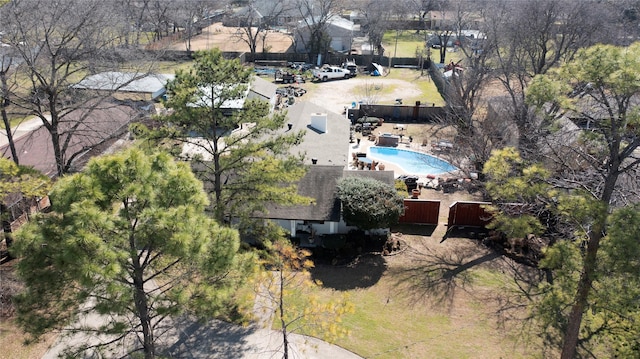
468	80
316	14
6	62
422	8
532	37
135	15
157	17
257	17
58	46
377	14
188	15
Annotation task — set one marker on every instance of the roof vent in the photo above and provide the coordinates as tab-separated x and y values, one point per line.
319	122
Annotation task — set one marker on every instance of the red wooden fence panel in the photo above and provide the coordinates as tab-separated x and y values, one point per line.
420	211
471	214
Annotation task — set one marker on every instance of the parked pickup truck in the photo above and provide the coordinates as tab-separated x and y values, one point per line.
330	73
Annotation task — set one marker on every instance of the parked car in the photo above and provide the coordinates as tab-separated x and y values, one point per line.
331	73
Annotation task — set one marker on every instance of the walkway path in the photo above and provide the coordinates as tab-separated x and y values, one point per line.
187	338
25	127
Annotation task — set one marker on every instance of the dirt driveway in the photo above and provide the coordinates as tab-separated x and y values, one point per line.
335	95
229	39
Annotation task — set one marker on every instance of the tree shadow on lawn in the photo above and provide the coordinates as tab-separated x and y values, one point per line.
438	275
362	272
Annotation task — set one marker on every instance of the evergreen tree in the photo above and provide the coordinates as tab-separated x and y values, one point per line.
245	159
127	239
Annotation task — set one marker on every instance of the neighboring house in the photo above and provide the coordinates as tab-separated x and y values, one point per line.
103	126
340	30
272	12
33	144
127	85
323	216
258	89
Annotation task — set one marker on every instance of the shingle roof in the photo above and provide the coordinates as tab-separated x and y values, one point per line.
330	147
35	148
320	183
263	89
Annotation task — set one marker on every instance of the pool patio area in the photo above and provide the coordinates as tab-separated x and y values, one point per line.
436	149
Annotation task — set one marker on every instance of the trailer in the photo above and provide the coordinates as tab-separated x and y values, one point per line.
284	77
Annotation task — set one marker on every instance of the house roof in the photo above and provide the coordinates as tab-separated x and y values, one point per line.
341	22
208	94
248	11
330	147
35	148
263	89
320	183
334	21
125	82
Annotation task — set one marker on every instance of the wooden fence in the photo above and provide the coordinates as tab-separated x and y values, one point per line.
419	113
15	216
420	211
468	214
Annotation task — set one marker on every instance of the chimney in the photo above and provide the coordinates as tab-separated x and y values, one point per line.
319	122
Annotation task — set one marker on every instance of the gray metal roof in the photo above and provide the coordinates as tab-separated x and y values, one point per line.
263	89
125	81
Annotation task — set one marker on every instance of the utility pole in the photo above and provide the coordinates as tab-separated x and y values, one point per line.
395	50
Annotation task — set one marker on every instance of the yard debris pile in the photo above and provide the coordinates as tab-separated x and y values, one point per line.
526	250
286	95
394	245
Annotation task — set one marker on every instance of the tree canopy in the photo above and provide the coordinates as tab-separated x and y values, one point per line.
245	159
21	179
369	203
54	47
584	175
127	238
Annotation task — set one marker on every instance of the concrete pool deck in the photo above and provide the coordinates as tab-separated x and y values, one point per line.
365	144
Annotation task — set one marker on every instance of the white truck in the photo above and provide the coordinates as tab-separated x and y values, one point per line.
330	73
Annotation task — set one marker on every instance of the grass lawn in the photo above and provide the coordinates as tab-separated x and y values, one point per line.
423	81
12	342
408	42
404	308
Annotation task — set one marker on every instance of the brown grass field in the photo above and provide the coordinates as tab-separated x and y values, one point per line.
229	39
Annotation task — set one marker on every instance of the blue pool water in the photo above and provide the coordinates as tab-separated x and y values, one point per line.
414	163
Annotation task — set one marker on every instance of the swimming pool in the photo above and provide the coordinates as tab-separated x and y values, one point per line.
411	162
